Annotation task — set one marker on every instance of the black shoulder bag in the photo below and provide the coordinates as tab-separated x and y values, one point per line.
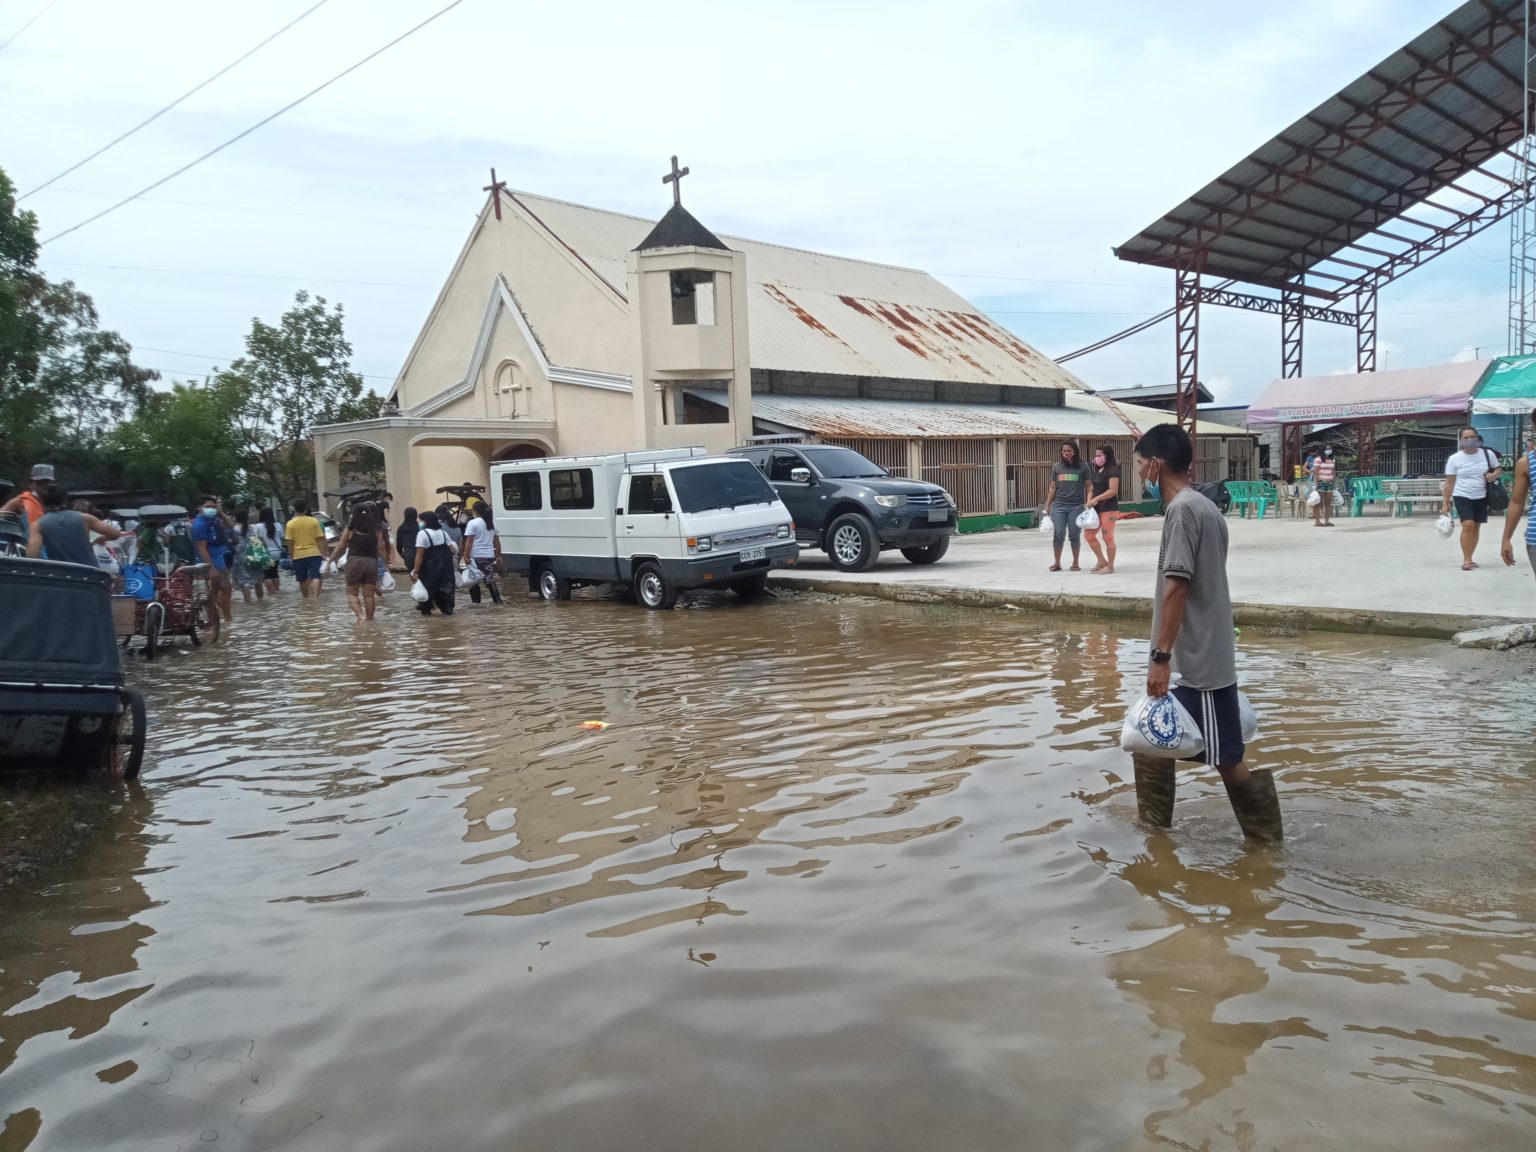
1498	495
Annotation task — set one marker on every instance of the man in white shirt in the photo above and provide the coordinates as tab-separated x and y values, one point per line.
482	548
1468	473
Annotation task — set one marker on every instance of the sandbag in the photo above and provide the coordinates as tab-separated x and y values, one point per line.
1088	518
1160	726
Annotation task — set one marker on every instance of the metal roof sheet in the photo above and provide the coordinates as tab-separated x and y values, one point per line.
857	417
814	313
1427	115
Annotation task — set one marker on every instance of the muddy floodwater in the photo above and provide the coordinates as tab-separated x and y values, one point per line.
837	875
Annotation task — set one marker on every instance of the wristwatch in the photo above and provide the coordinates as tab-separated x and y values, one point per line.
1161	657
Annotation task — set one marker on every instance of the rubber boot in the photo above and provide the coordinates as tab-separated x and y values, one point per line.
1257	807
1155	782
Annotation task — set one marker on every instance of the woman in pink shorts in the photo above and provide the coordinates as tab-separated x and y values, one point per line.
1104	498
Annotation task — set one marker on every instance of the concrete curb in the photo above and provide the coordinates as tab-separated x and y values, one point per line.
1431	626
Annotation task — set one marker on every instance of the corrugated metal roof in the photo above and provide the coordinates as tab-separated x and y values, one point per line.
814	313
839	416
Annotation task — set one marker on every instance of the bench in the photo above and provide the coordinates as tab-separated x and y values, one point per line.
1253	494
1402	496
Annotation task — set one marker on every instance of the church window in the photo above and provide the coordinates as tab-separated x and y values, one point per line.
570	488
693	297
520	491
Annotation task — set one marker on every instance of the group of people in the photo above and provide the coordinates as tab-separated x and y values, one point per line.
1074	488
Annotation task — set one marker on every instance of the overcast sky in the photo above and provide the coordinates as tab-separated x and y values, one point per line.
1004	146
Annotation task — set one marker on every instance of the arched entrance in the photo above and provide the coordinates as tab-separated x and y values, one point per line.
519	451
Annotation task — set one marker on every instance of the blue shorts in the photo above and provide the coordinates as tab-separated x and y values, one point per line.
1216	715
307	569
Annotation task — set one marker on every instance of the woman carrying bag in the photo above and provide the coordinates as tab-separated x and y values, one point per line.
434	569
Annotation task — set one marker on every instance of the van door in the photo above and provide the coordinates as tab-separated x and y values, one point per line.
647	524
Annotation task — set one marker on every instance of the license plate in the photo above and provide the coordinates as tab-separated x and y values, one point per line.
750	554
938	514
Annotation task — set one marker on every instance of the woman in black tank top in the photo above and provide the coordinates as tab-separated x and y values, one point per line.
1104	498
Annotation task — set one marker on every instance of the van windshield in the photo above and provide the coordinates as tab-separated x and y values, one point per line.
721	484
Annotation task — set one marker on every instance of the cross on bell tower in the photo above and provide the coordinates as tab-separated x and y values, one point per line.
497	187
676	180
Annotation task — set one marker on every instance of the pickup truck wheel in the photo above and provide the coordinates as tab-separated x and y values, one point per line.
851	543
652	588
751	588
551	586
932	554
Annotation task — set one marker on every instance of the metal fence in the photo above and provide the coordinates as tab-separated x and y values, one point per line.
966	469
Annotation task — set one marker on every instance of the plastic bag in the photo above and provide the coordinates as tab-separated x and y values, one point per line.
335	567
139	581
469	576
1444	527
106	561
387	584
1088	518
1248	719
419	593
1338	499
1315	499
1047	525
1159	726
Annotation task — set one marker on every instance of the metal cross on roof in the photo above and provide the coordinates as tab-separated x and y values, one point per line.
676	180
496	188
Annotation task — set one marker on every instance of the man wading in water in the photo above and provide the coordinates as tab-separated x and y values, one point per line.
1192	635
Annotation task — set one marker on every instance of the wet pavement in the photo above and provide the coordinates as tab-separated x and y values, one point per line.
838	874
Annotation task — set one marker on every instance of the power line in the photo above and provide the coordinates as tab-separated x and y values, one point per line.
7	42
241	275
207	356
178	100
265	120
273	211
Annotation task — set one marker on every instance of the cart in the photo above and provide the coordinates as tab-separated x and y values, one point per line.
64	704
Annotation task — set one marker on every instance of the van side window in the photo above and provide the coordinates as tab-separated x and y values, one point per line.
645	491
783	464
570	488
520	491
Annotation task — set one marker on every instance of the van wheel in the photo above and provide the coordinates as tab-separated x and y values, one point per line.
929	555
551	586
652	588
851	543
751	588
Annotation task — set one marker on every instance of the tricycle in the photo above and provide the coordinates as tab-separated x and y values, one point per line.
64	703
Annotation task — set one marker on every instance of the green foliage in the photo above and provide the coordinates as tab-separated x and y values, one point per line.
293	376
183	441
64	382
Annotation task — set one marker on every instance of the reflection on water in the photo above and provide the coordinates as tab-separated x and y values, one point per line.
836	875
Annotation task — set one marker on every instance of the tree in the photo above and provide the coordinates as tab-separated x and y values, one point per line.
63	379
183	441
293	376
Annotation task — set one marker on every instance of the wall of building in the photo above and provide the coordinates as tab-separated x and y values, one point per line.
776	382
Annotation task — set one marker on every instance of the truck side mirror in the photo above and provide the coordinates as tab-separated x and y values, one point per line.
800	475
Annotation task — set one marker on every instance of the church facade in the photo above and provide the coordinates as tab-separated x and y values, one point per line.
567	330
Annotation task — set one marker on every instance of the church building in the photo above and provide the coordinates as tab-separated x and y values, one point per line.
567	330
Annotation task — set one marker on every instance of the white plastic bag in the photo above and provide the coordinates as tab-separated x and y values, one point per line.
469	576
1315	499
335	567
106	561
1444	527
388	583
419	593
1088	518
1159	726
1047	525
1248	719
1338	499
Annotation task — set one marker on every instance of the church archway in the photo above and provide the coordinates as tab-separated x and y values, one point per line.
522	450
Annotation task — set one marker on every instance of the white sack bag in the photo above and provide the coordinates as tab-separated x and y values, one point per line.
388	583
419	593
1088	518
469	576
1444	527
1338	499
1160	726
1248	719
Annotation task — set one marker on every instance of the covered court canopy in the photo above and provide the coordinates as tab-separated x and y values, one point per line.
1509	388
1446	390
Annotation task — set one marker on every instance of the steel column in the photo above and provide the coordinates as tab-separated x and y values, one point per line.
1186	343
1365	330
1292	319
1522	224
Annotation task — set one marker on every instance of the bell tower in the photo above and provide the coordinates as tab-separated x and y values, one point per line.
688	306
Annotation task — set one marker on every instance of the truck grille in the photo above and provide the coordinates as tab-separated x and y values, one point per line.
746	539
928	499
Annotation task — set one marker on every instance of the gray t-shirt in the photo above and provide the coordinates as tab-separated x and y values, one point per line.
1194	548
1070	481
65	537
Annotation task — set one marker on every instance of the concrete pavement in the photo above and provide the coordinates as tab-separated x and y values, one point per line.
1371	574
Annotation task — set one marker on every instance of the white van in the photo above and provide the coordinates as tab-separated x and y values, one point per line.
658	521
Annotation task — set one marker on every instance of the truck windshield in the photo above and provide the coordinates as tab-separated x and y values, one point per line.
721	484
844	464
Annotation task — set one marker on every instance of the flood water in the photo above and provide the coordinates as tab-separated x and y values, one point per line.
838	875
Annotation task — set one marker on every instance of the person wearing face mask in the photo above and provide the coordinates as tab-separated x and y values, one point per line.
1105	500
1323	480
1064	501
1468	473
1192	634
210	537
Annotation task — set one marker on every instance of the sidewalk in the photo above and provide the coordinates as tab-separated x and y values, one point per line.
1371	574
